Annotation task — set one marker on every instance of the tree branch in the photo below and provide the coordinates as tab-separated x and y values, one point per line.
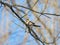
33	34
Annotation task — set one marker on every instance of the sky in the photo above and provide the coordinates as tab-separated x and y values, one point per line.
17	32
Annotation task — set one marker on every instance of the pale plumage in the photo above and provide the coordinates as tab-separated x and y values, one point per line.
30	23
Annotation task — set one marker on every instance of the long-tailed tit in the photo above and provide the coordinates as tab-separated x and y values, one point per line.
30	23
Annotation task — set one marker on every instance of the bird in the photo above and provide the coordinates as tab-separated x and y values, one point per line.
30	23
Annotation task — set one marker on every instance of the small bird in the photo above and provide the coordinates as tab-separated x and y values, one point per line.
30	23
33	24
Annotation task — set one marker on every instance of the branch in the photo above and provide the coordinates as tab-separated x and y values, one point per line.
36	11
29	9
29	29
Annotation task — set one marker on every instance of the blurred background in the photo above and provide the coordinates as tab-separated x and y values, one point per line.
14	32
